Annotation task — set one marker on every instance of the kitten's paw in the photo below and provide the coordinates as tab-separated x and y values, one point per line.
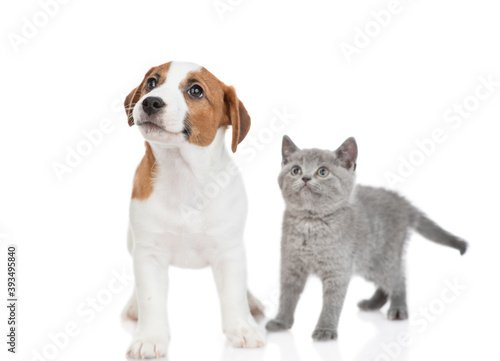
324	334
277	325
398	313
246	337
376	302
369	305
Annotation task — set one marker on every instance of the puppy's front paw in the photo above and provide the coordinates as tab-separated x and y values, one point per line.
277	325
147	347
245	336
324	334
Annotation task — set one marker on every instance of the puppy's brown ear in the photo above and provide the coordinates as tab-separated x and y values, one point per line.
130	102
238	117
134	96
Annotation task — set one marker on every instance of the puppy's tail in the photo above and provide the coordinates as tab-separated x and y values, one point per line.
430	230
256	307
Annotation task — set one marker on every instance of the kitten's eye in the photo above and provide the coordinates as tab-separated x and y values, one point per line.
151	83
323	172
195	91
296	171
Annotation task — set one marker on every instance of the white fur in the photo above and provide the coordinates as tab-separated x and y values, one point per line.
161	234
174	112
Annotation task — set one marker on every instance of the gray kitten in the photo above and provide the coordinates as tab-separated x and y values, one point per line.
334	229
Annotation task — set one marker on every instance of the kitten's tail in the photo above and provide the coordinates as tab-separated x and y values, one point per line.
430	230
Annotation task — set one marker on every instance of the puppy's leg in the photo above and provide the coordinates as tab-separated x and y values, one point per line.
151	333
230	278
131	312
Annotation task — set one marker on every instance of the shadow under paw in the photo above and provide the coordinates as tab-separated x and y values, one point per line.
277	325
324	334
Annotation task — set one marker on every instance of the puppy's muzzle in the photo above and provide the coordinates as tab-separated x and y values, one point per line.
152	105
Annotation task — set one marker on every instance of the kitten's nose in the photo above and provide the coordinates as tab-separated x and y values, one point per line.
306	179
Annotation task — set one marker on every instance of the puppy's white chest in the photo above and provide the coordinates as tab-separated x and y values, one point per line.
189	219
187	250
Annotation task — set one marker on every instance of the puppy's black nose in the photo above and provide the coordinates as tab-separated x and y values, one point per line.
306	179
152	105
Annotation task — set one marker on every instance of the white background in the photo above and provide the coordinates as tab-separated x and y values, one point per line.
280	55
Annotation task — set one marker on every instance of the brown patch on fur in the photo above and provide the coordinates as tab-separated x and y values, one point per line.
160	72
256	308
218	107
144	175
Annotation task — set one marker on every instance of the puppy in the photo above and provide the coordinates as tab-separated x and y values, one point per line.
177	217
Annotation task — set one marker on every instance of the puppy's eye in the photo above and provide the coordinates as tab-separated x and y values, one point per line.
296	171
195	91
323	172
151	83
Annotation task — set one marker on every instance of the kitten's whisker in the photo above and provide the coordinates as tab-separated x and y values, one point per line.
315	186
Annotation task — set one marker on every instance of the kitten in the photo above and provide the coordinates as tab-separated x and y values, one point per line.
334	229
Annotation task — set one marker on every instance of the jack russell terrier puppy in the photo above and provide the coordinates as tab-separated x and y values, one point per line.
182	110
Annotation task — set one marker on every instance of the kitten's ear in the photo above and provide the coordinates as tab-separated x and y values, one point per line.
287	148
348	153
